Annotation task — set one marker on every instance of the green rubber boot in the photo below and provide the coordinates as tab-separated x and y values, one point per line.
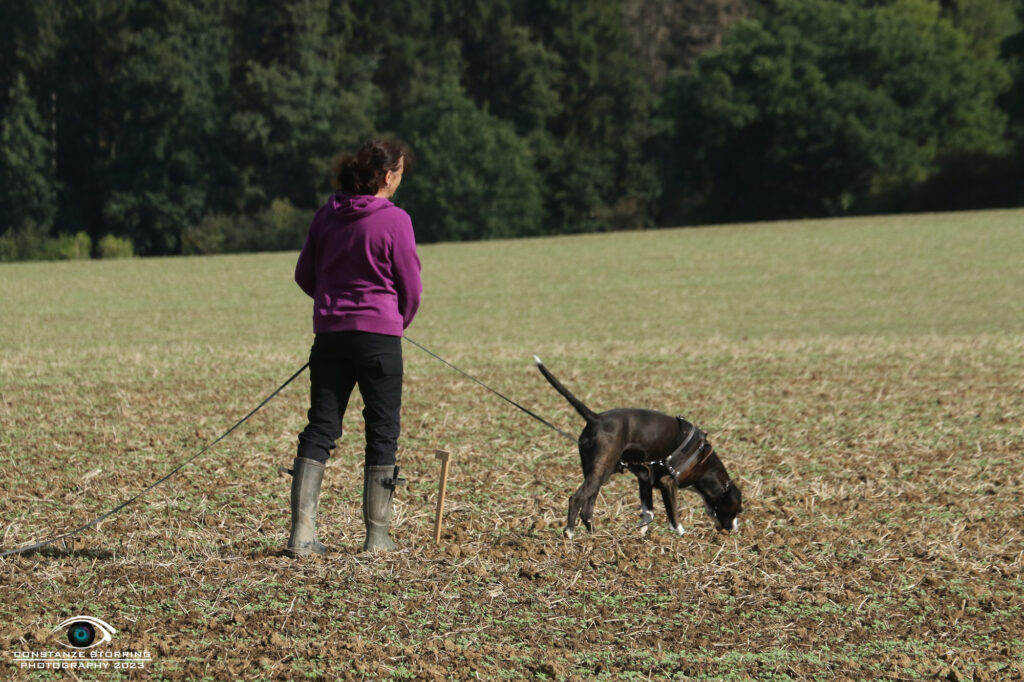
378	506
307	475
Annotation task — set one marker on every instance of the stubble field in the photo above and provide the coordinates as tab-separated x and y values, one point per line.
861	379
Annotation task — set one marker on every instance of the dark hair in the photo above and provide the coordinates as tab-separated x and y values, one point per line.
364	172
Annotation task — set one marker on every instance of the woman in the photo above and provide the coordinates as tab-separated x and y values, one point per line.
359	265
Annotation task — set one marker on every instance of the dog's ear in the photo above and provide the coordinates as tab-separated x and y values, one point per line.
713	487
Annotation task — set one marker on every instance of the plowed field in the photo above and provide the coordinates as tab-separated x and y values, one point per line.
861	379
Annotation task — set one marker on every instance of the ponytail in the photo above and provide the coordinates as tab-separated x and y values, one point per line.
364	172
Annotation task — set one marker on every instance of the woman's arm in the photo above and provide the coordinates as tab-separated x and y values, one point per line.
406	270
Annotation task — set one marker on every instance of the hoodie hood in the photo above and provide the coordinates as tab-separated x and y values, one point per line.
352	207
359	264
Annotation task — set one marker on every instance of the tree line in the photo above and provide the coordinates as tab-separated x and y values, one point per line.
205	126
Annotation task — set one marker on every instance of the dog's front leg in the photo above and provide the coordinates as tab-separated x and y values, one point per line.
646	501
669	495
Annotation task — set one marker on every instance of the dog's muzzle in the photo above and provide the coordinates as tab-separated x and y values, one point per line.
732	526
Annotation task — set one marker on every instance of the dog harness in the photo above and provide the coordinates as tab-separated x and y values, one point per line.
692	445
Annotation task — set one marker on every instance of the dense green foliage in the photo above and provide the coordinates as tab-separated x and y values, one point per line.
820	107
198	126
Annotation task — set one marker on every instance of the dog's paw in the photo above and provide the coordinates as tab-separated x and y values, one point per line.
568	533
643	529
678	530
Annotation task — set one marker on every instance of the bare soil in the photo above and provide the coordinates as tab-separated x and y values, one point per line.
882	534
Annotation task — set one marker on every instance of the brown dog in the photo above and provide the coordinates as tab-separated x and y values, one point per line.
663	451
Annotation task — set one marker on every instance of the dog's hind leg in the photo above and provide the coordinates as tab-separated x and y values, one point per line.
582	501
587	515
598	459
575	502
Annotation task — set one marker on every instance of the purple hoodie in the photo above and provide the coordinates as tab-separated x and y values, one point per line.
360	266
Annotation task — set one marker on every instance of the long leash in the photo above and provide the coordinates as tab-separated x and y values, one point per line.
543	421
172	472
40	545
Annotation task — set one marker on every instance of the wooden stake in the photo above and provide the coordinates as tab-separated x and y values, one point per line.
444	457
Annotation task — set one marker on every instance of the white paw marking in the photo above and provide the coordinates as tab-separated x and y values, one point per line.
735	524
679	530
568	533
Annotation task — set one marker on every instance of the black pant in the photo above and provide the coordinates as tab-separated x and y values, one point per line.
337	363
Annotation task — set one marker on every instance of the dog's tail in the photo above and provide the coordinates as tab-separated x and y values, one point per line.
584	411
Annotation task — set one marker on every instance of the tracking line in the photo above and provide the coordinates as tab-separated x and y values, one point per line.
543	421
39	545
76	531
